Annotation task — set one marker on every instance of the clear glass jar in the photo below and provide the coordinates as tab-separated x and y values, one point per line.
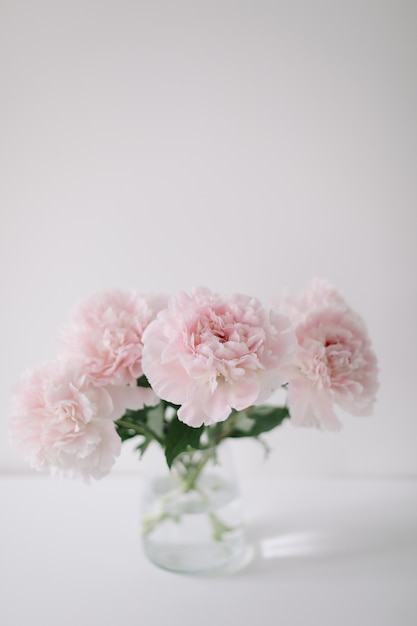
192	514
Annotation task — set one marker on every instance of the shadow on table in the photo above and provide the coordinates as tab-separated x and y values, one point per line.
347	547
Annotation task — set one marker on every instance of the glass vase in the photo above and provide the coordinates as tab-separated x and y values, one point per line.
192	514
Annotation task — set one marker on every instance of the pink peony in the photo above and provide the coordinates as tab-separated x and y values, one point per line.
61	422
105	335
318	295
333	364
211	354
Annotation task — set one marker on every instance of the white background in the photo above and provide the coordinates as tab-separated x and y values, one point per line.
245	146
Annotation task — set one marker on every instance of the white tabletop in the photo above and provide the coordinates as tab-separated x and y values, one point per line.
325	551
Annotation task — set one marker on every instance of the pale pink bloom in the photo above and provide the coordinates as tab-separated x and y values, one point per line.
211	354
334	363
61	422
318	295
105	335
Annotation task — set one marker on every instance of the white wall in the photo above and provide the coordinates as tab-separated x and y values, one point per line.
245	146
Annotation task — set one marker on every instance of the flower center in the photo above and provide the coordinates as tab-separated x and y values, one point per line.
224	346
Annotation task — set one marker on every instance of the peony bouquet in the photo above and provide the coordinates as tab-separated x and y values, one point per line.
188	371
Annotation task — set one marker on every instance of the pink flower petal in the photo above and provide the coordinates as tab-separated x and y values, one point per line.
212	353
334	363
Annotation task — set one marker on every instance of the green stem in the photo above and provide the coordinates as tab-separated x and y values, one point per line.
140	429
194	473
193	476
188	483
231	422
149	522
188	480
219	528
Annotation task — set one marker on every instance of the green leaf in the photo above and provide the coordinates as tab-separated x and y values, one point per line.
134	423
264	418
136	418
243	422
125	433
155	419
142	447
143	382
139	416
179	437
